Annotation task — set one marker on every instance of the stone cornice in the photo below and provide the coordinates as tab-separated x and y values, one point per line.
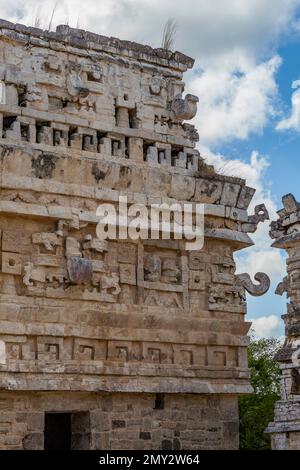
84	40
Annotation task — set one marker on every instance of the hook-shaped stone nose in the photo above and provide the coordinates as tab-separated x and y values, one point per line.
255	289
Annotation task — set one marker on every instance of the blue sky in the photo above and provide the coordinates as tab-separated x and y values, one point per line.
282	150
246	61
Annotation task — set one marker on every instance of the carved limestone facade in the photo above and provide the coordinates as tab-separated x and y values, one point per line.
285	429
142	344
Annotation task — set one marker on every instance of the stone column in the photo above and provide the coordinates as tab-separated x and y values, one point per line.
285	429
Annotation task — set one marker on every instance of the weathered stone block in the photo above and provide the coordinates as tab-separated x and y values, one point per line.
208	191
230	194
33	441
135	149
35	421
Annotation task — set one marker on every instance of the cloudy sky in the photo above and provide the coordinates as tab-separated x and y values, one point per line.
247	77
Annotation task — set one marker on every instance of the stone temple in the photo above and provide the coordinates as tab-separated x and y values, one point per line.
285	430
113	344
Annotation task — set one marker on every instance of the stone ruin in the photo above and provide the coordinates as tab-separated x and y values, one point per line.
285	430
114	344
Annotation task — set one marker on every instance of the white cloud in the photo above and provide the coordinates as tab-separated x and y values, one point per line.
233	106
265	260
266	326
293	121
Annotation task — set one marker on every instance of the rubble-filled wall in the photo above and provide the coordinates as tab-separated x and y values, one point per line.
285	430
155	330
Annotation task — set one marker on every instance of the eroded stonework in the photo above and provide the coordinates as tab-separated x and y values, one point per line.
142	343
285	430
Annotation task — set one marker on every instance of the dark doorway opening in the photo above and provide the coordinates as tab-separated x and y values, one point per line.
57	431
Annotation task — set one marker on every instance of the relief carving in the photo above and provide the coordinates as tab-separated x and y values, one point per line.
75	85
162	299
226	298
157	268
110	284
85	119
170	271
152	268
70	267
155	86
